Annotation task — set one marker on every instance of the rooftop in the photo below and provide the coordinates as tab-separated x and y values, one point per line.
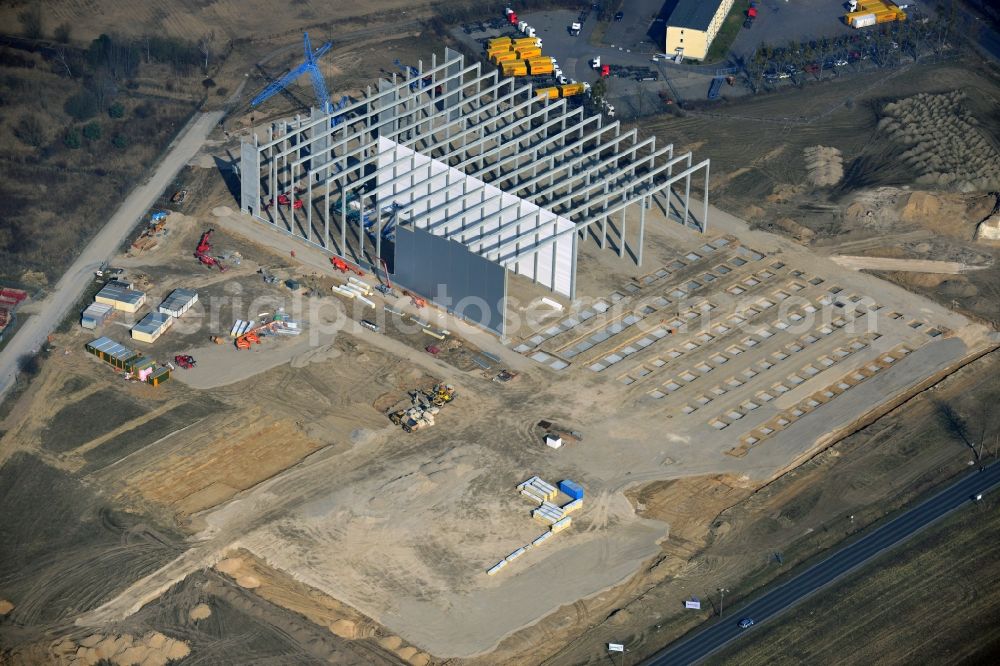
112	349
694	14
152	323
178	298
119	293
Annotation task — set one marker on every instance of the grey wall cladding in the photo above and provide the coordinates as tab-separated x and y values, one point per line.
446	272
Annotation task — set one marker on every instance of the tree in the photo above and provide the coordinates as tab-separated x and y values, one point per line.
62	33
31	21
31	131
82	105
92	130
120	142
28	365
72	138
116	110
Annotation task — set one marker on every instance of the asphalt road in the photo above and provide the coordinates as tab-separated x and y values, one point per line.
700	644
50	312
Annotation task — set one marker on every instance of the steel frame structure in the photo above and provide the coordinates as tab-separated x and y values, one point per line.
575	166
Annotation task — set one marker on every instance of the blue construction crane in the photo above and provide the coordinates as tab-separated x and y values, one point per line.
309	65
413	73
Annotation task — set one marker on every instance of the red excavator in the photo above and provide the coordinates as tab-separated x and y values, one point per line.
345	267
201	253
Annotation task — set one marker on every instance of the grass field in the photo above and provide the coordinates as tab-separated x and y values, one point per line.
727	33
936	599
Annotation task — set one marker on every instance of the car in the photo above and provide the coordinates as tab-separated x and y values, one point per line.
370	325
977	497
746	623
840	62
619	16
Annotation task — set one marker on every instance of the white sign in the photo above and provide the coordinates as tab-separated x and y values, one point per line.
616	647
696	605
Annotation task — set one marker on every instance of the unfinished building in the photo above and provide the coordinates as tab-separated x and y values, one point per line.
451	180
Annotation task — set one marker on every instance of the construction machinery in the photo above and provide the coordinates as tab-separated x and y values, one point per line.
345	267
201	253
307	66
217	339
417	301
424	406
385	289
185	361
179	197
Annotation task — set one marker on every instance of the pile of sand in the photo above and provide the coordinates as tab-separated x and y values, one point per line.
222	211
200	612
825	165
988	229
795	230
152	649
5	607
944	144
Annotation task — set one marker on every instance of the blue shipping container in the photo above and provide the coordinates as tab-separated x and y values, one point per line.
571	488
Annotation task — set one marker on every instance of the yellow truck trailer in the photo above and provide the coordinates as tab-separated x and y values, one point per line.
571	89
527	52
527	41
514	68
507	56
499	41
542	65
550	93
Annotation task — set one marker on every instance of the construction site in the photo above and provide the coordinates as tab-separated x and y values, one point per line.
454	368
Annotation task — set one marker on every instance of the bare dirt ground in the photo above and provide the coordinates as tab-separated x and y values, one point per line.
887	202
933	600
270	487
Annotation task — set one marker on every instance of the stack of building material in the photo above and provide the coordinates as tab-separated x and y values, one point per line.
537	489
548	513
240	327
560	525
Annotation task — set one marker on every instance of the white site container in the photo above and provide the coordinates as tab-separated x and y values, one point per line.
561	525
541	539
496	567
572	506
553	441
532	494
513	556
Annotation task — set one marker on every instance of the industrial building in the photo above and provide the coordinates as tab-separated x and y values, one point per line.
121	296
693	25
178	302
95	315
454	178
121	357
151	327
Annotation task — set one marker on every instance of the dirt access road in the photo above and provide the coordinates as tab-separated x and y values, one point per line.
74	281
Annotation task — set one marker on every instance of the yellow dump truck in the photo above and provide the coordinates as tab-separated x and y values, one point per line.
540	65
550	93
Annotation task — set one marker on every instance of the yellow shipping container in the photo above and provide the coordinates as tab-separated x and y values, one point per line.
551	93
509	56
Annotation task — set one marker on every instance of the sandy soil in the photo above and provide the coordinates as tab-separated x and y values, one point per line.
906	265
